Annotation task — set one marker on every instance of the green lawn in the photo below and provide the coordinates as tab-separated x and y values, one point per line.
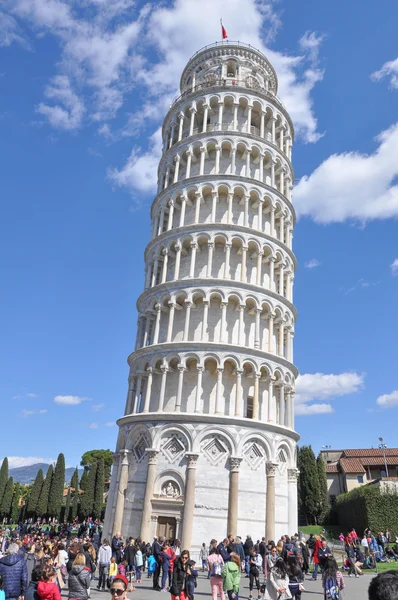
332	531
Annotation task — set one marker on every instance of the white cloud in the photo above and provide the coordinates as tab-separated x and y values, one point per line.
353	185
320	386
394	267
97	407
43	411
30	395
70	400
110	424
311	42
312	264
313	409
69	112
390	70
93	426
28	413
388	400
14	462
10	32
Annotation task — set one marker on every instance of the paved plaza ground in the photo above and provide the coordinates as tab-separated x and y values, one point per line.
356	589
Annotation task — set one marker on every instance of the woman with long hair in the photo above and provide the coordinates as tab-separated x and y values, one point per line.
332	579
79	578
215	565
295	577
278	582
231	577
178	588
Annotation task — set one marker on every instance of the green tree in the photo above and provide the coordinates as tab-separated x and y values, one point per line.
35	494
5	507
324	507
67	506
92	456
308	485
75	485
15	508
25	497
99	489
3	477
87	500
83	479
42	504
56	494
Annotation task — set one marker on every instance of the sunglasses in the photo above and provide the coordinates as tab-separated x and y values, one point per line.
114	591
184	557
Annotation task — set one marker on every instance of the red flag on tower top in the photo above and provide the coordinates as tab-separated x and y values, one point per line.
224	34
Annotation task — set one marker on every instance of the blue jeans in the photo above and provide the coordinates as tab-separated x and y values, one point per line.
138	573
315	573
247	564
230	592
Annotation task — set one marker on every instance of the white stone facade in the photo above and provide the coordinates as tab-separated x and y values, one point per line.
207	444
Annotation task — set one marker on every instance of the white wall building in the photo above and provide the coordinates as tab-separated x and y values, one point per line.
207	444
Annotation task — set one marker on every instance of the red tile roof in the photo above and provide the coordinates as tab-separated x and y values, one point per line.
332	469
378	461
351	465
365	452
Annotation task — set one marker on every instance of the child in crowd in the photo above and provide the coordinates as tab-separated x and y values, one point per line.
47	589
112	569
192	576
138	565
122	568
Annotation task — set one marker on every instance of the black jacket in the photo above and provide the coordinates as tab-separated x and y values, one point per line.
129	554
179	578
322	554
247	546
31	592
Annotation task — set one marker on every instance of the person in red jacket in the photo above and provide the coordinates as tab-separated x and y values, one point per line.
315	557
47	589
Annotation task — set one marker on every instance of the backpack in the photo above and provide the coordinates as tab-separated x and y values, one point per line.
331	589
217	569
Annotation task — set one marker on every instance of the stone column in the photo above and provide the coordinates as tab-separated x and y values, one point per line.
257	328
189	164
158	309
145	532
214	206
148	389
233	162
165	253
198	398
177	160
137	393
178	260
172	307
173	125
260	210
223	329
230	201
243	275
262	124
259	268
182	213
228	246
164	369
219	398
210	246
171	213
202	161
282	405
255	396
232	526
270	502
292	394
271	273
292	475
242	324
204	322
189	504
235	122
121	492
217	166
197	207
272	221
193	113
271	412
205	116
273	121
194	247
220	114
181	370
181	125
281	336
238	395
271	333
249	118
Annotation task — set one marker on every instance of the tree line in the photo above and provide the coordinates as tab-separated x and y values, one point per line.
312	487
48	496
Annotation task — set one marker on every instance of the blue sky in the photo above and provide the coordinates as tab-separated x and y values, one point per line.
84	87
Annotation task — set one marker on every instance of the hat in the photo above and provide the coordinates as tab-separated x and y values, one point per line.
121	578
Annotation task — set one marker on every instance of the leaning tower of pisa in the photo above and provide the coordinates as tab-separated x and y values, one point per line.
207	445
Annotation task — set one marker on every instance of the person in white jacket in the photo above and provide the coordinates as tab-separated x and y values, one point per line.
278	582
104	560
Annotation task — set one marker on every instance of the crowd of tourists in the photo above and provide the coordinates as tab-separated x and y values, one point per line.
37	562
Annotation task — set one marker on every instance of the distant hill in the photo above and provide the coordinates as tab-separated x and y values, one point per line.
24	475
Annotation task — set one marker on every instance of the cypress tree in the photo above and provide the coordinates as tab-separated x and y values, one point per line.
99	489
42	504
5	507
323	489
24	512
3	477
67	507
56	494
87	501
15	509
83	479
35	493
308	484
75	484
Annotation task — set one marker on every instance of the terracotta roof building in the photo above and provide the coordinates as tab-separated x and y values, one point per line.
348	469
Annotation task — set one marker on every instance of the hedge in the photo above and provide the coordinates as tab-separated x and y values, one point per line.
368	507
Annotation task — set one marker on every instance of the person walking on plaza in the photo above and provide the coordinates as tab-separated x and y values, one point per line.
104	560
215	564
178	588
231	577
315	557
156	550
332	580
79	578
139	562
254	573
278	582
14	572
203	555
295	577
247	546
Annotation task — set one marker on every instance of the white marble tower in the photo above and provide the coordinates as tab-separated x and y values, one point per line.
207	445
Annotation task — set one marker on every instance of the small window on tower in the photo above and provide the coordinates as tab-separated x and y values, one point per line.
249	407
231	68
